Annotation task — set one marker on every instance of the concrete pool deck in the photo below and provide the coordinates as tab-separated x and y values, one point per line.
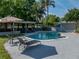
54	49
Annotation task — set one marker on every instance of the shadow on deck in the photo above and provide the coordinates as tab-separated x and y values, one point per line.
41	51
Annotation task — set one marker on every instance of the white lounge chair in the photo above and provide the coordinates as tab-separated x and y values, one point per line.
26	43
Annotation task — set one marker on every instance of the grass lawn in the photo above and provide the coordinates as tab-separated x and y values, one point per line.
3	52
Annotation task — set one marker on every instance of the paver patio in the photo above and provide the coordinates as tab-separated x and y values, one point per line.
67	48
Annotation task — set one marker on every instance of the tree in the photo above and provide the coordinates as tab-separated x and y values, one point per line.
5	7
45	4
72	15
52	20
28	10
23	9
38	11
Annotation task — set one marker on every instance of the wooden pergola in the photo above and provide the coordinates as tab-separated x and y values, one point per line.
9	23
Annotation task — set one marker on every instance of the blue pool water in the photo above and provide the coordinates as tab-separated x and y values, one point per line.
44	35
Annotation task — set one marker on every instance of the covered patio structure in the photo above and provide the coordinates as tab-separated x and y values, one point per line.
11	24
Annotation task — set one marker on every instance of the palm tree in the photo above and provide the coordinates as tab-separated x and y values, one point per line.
49	3
45	4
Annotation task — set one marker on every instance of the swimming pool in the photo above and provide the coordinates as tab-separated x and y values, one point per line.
44	35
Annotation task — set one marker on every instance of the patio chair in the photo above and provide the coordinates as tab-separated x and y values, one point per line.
26	43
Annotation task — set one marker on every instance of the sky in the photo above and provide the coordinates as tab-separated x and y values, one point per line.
62	7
